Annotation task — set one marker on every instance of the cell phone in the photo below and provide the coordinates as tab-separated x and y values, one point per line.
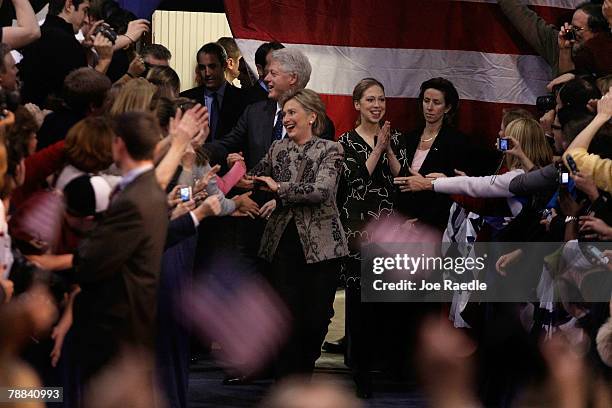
572	164
564	178
185	194
596	255
503	144
547	214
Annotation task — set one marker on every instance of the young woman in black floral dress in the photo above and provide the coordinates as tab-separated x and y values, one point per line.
371	160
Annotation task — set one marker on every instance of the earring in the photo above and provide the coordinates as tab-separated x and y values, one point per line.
310	123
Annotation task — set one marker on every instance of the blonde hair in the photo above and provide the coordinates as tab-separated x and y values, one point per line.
604	84
530	136
604	342
135	95
311	102
513	114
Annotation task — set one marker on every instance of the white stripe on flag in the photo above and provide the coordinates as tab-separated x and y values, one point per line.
479	76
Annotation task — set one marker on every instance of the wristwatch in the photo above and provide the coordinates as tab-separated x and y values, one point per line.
570	218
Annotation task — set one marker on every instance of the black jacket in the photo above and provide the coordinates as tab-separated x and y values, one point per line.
118	268
448	152
252	135
47	61
232	106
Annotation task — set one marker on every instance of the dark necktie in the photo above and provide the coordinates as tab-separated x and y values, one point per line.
213	116
278	127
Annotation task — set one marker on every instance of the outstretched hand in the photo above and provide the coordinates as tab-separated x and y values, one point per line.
185	126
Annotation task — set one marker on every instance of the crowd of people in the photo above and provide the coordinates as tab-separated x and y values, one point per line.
118	190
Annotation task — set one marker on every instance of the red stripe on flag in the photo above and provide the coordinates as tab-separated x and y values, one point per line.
422	24
478	120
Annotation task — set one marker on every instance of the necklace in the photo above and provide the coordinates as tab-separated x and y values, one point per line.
431	138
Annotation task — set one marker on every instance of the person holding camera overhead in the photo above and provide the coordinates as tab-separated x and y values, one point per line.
303	239
584	45
47	61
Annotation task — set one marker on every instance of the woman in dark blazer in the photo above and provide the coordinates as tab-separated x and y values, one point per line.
434	147
303	239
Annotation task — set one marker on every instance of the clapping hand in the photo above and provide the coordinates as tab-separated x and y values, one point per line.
186	126
383	137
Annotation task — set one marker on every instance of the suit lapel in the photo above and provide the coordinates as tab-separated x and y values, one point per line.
268	123
432	160
226	105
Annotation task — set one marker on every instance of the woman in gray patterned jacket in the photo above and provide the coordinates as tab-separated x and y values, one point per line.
304	238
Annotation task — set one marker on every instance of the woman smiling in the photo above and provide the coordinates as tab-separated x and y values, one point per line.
303	239
370	162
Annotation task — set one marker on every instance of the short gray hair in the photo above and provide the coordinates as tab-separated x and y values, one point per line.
293	61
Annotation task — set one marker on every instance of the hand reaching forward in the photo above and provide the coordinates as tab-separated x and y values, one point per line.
186	126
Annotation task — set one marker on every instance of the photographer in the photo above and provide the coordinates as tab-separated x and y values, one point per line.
49	60
585	45
27	29
124	31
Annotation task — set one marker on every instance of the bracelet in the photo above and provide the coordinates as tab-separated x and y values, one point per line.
130	38
570	218
130	74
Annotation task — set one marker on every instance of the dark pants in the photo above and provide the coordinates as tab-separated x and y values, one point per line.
172	340
248	240
308	291
380	336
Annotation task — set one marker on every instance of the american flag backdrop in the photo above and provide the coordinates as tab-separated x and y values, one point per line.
402	44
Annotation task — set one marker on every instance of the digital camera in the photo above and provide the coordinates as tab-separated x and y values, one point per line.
107	31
